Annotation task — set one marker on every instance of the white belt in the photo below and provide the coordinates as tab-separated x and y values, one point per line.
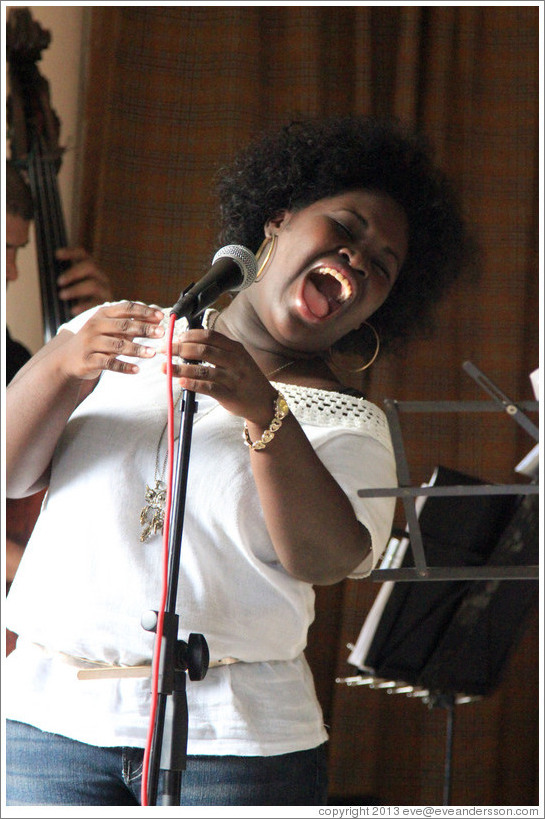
97	669
104	671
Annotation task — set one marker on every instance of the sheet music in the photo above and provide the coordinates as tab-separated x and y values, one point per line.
530	463
393	558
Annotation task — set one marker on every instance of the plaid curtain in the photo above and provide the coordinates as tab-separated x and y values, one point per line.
171	93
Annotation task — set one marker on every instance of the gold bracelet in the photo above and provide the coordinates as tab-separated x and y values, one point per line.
281	409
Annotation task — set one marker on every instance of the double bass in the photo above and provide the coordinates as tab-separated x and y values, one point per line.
33	134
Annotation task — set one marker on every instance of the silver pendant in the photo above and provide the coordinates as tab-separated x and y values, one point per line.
152	516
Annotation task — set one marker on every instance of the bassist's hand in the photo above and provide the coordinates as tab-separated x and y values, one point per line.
84	283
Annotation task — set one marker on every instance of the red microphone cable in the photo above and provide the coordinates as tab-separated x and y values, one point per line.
164	591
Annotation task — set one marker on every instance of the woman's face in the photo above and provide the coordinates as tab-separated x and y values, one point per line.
334	264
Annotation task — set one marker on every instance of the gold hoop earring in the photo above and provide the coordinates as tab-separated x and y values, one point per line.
341	366
271	241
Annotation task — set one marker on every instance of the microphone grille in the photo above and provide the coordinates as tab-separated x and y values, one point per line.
245	260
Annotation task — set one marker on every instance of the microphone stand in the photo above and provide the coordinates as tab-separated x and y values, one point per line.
176	657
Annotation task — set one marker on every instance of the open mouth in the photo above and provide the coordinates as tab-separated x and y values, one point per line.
325	290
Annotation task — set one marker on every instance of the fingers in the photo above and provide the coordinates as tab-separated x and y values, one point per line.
196	377
84	282
214	364
126	327
239	385
107	357
85	285
71	254
207	345
84	271
198	346
201	371
130	318
123	346
112	332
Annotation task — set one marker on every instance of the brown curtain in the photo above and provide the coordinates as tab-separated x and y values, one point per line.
171	93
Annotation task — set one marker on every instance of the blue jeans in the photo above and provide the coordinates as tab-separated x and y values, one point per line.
47	769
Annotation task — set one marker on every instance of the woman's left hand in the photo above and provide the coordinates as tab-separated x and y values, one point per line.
321	546
223	369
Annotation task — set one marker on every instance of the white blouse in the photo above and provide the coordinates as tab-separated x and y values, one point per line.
87	577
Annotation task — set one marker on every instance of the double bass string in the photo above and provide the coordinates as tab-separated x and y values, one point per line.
42	248
58	229
50	235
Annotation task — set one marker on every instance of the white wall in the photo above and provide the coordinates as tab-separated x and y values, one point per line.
62	64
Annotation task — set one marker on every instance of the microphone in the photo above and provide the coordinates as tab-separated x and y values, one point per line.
234	267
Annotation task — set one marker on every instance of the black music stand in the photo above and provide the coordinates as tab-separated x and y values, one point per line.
447	642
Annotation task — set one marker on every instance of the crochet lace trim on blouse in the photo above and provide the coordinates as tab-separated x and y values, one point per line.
328	408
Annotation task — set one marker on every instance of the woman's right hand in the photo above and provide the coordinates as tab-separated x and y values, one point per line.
108	334
63	373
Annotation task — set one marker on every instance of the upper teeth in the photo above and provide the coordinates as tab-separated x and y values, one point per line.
346	290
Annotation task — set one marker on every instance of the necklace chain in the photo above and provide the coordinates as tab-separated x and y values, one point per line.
283	367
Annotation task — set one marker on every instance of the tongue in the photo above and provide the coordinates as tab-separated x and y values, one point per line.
316	302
